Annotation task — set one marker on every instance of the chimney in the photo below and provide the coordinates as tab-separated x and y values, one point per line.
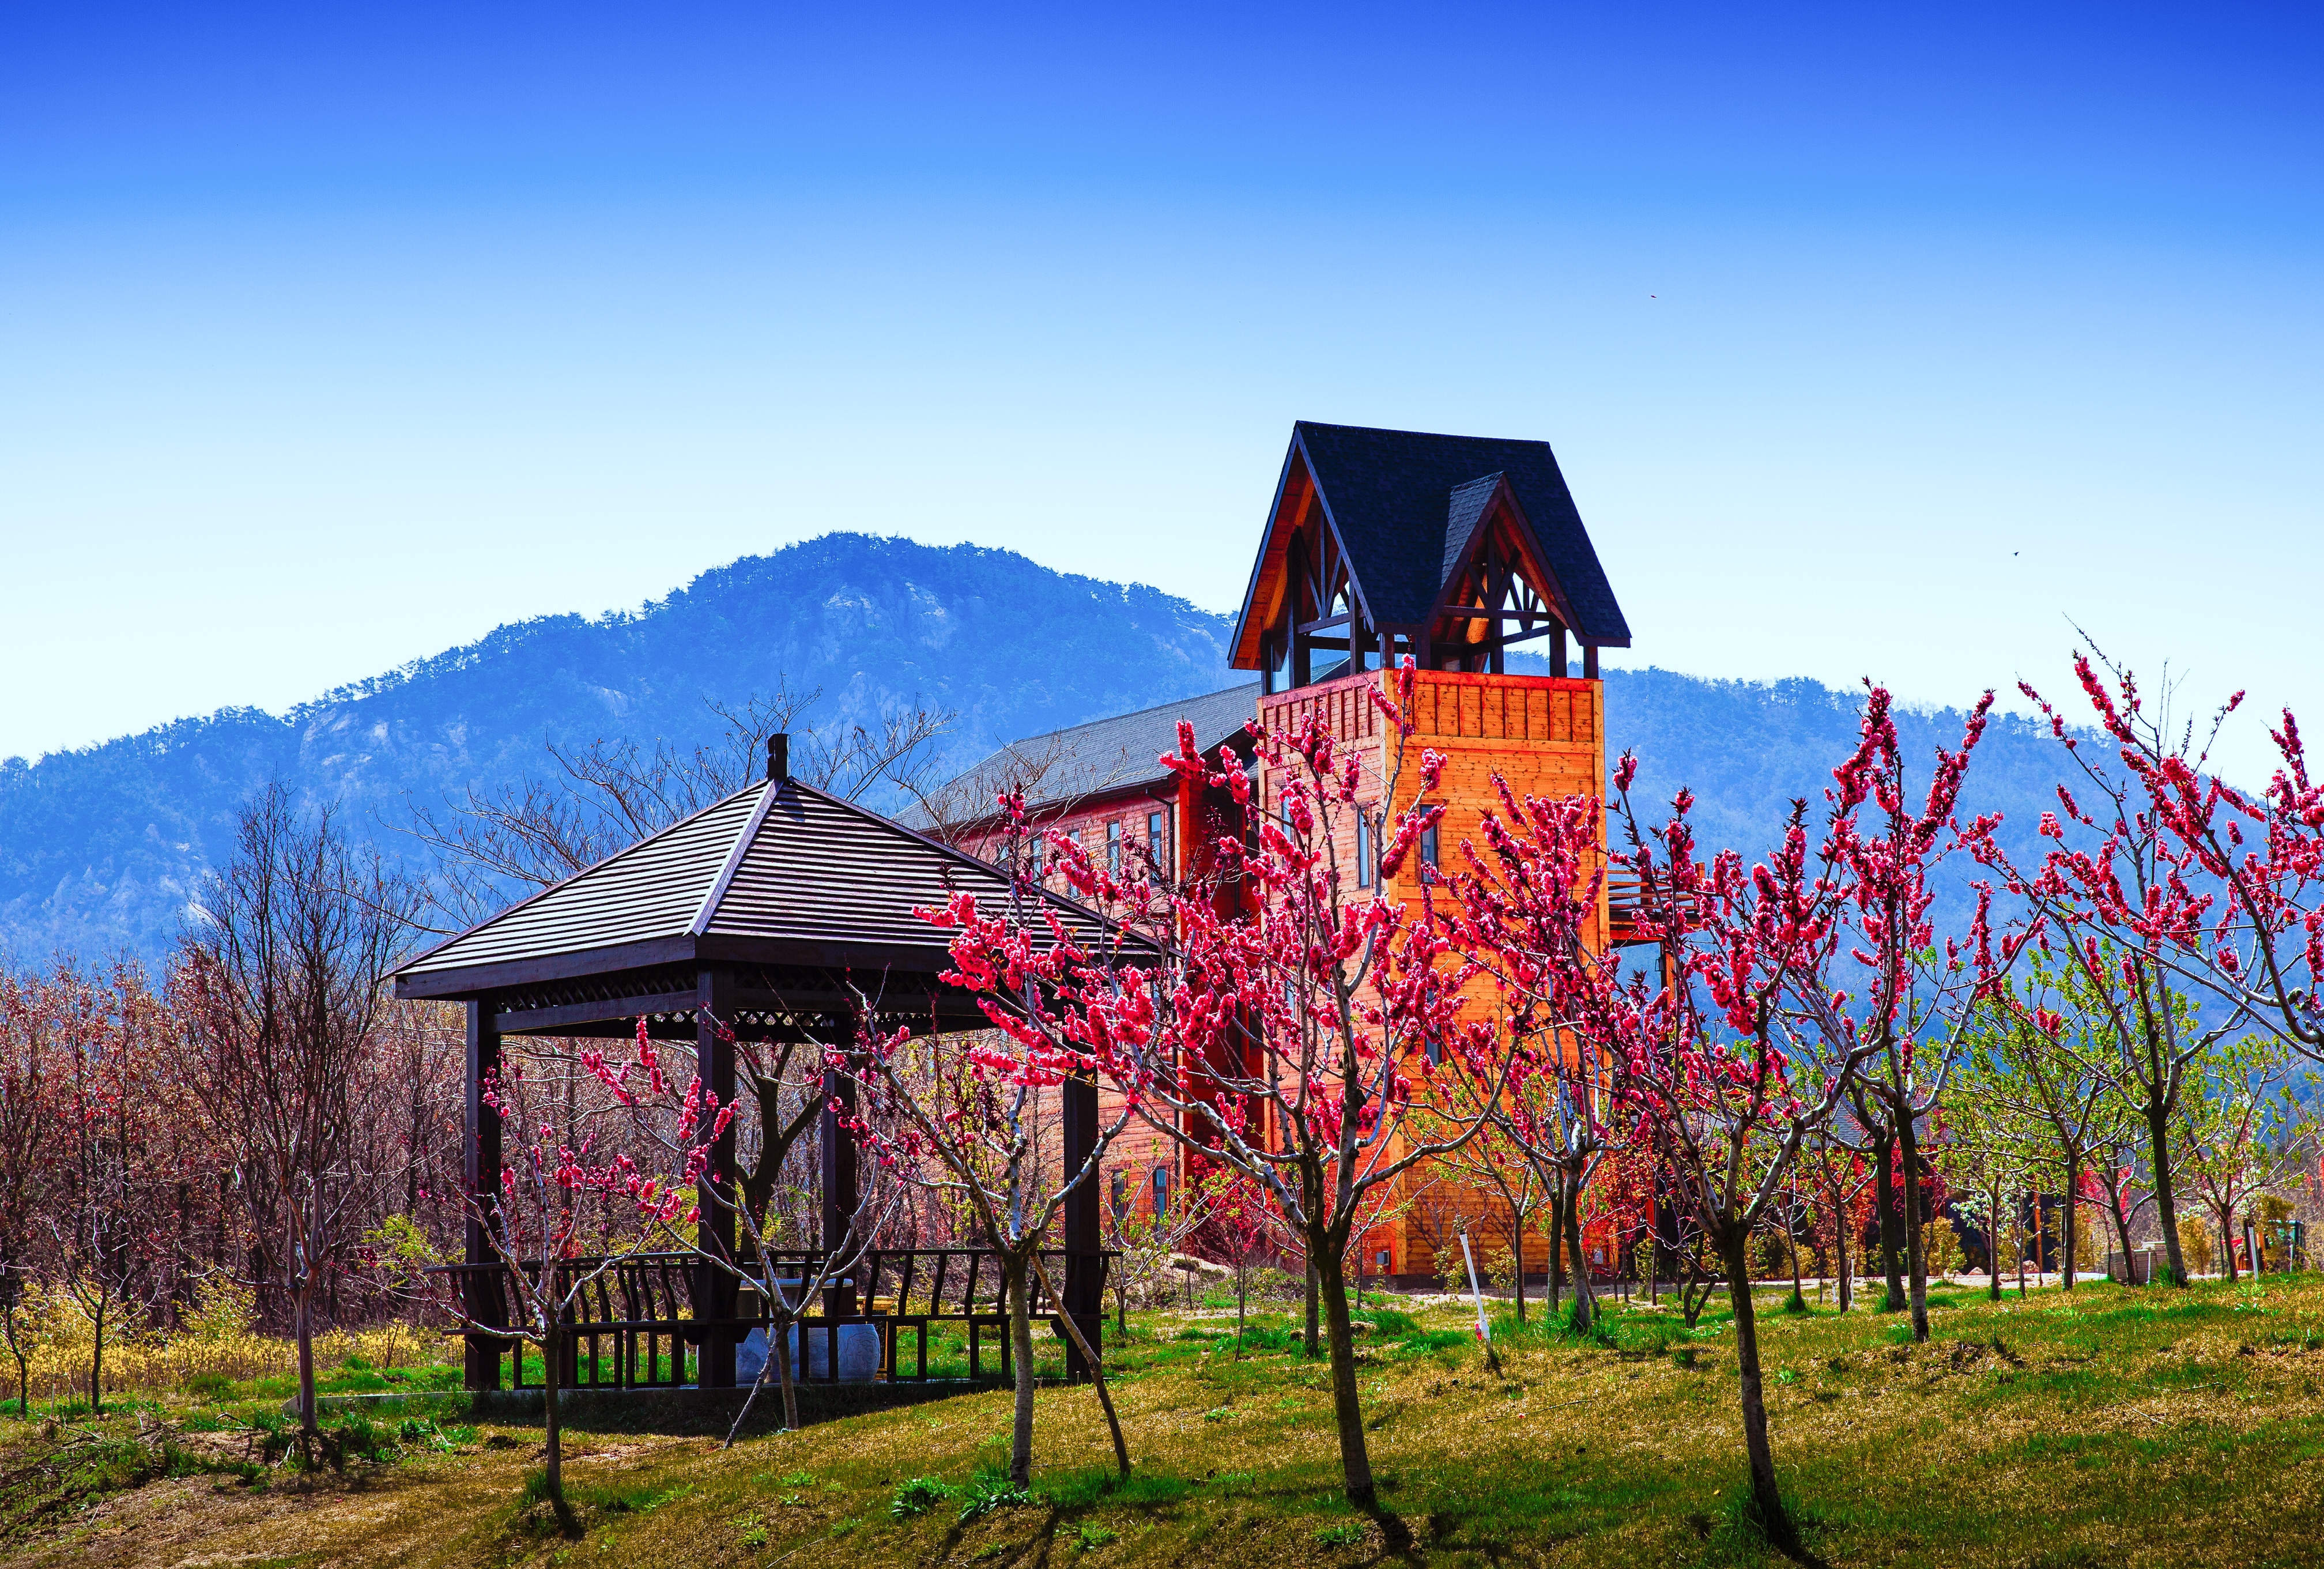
778	757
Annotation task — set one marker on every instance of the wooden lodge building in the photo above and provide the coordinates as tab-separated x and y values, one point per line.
1456	551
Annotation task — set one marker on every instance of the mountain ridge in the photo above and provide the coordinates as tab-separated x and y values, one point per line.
101	847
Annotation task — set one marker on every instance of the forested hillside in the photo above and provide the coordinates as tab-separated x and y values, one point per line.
100	849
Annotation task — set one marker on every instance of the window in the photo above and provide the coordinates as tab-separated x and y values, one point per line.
1121	1192
1158	843
1428	853
1113	848
1364	849
1161	1191
1383	1262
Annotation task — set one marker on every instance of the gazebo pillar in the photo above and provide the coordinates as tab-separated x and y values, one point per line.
1084	1266
480	1180
713	1292
835	1147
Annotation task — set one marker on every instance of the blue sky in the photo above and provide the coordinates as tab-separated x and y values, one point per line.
1870	342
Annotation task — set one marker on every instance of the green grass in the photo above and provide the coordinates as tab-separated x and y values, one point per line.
2119	1425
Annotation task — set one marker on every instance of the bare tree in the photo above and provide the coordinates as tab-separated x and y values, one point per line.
280	987
610	793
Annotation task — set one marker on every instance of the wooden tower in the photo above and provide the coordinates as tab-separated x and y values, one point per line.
1455	550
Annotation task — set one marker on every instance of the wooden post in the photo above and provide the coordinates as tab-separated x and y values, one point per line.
1557	663
1084	1268
714	1291
481	1179
836	1149
1589	661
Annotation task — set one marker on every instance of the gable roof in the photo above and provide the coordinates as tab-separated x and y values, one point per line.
1117	753
1398	498
777	872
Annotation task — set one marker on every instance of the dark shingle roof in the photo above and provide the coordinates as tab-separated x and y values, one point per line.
1395	496
781	862
1105	754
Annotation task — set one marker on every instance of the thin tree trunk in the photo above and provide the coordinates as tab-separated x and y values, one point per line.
302	1315
1243	1294
1314	1334
1585	1301
2166	1191
1889	1225
1517	1247
1767	1501
785	1373
2018	1225
2227	1240
2071	1226
1090	1359
552	1357
1556	1246
1839	1258
1020	1344
2121	1219
1916	1255
1993	1240
97	1361
1355	1458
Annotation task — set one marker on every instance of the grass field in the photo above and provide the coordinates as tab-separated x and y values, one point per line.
2115	1426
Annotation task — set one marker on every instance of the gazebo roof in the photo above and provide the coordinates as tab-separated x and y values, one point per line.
779	879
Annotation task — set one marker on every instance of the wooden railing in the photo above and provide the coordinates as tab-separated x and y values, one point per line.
630	1327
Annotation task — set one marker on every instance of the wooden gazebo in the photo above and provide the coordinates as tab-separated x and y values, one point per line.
768	910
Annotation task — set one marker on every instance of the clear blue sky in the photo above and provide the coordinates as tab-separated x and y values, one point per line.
1871	340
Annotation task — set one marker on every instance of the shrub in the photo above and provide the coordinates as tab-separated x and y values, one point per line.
989	1492
917	1497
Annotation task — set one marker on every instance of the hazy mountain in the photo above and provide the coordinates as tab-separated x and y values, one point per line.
101	848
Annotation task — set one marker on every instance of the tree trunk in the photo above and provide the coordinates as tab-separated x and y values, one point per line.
97	1361
1556	1246
2121	1227
1517	1247
2227	1240
302	1318
2166	1192
552	1358
1916	1253
1839	1258
1355	1459
1890	1226
1993	1240
1021	1345
1242	1292
2070	1225
1090	1359
781	1352
1767	1502
1585	1301
1314	1336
